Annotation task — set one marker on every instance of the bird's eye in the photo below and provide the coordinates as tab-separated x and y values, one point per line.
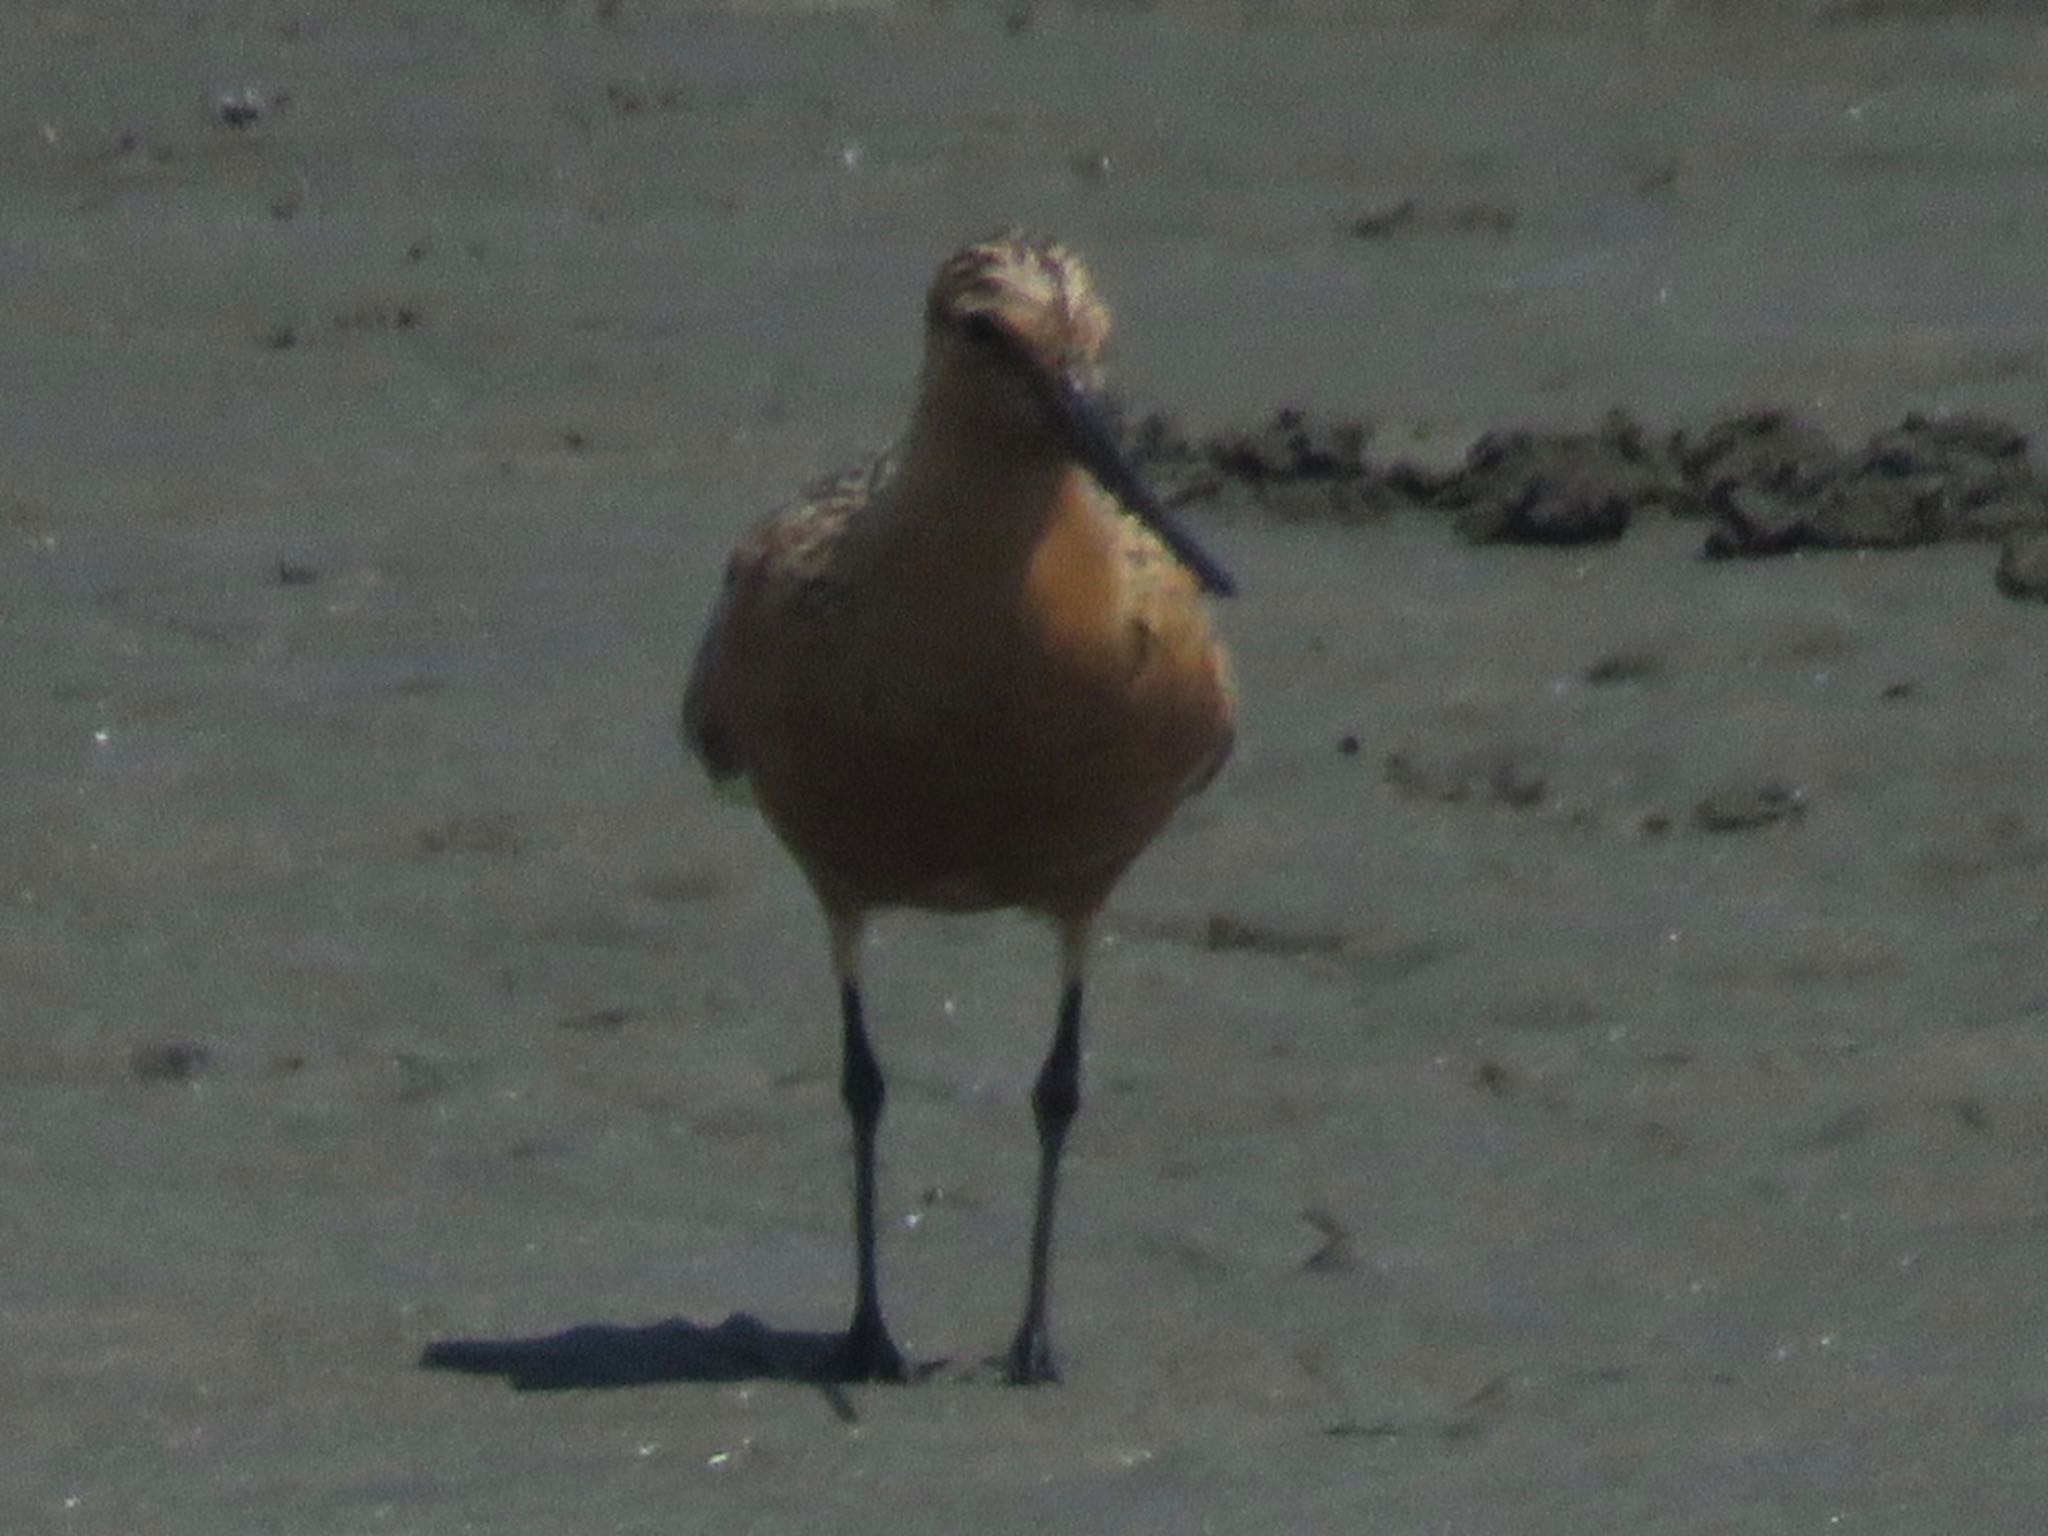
982	330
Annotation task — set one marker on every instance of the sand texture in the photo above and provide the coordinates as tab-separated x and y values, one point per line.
1582	1068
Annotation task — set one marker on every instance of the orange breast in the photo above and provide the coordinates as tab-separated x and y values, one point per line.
969	745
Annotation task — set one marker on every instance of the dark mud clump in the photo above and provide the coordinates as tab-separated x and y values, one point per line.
1559	487
2023	565
1774	484
168	1061
1506	776
1746	807
1293	466
1763	482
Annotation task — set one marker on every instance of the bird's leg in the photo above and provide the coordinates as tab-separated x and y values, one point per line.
868	1353
1054	1101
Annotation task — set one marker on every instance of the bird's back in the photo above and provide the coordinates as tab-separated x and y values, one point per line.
784	586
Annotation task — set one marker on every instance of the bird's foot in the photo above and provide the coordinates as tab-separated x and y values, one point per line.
867	1353
1030	1362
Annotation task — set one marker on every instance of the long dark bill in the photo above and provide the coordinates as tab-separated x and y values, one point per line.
1095	449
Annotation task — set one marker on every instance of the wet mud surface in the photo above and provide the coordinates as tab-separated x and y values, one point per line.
1580	1068
1760	482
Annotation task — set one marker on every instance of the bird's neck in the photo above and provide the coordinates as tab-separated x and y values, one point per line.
976	504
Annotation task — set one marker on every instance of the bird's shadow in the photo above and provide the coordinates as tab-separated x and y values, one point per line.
601	1355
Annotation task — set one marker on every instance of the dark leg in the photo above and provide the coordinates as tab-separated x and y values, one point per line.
869	1354
1053	1104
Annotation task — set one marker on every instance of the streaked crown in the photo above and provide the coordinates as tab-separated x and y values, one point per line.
1036	290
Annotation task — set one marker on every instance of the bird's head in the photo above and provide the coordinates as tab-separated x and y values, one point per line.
1014	335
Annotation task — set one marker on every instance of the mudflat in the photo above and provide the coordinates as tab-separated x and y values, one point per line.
1580	1068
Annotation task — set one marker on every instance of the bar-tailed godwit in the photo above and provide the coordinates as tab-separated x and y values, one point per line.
975	673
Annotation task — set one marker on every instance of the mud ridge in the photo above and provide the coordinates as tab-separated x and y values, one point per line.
1762	482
